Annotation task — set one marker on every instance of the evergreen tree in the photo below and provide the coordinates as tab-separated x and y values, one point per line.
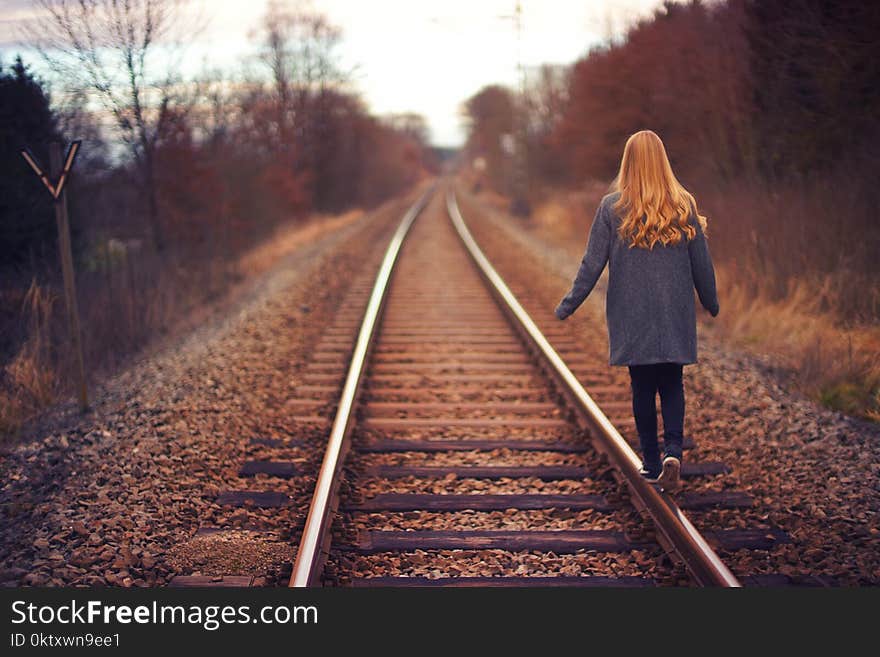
27	223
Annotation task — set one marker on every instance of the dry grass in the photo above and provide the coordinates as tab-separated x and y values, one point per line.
837	364
30	380
803	330
125	303
288	238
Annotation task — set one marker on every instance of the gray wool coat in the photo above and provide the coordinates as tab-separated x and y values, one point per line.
649	304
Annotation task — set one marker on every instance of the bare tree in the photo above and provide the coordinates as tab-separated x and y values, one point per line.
544	103
122	53
299	48
412	125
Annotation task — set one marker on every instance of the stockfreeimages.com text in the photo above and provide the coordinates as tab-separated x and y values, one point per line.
210	617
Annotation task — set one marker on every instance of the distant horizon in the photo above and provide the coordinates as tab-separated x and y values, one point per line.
457	49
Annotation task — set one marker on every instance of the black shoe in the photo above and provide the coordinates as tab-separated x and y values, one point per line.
650	473
670	476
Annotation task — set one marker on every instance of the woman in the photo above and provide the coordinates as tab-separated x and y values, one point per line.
650	234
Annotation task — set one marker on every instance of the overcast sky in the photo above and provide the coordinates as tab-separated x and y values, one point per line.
414	55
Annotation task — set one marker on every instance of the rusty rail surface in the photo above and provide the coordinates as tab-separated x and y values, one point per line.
675	531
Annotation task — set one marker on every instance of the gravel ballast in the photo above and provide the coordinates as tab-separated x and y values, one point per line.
116	497
812	472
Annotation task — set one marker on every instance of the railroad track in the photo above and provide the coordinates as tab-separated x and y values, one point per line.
459	433
449	442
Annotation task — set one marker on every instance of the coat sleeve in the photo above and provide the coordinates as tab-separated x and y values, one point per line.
592	264
703	271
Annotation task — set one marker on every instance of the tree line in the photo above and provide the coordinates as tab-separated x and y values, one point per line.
179	161
178	176
770	111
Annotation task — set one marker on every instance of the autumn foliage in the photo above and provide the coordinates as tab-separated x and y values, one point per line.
770	112
178	180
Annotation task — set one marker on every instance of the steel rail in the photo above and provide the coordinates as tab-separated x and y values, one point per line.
315	537
675	530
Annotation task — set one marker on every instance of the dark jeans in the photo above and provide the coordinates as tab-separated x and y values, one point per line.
647	381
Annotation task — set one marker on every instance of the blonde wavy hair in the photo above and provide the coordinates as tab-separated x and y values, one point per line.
653	205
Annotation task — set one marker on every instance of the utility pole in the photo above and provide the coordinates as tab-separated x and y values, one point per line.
520	201
60	174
